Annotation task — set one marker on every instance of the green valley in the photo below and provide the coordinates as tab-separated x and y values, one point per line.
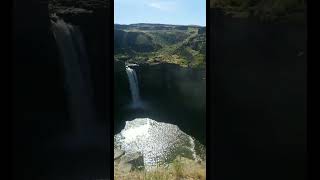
159	43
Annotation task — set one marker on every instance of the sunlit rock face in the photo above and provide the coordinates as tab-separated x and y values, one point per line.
157	143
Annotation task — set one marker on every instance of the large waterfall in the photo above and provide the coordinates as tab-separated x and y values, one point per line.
75	64
134	86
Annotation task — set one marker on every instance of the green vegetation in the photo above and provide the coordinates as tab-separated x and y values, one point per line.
263	9
156	43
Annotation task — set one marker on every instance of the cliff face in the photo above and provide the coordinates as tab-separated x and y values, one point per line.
169	92
172	81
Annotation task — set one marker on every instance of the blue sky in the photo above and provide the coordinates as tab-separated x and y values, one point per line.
179	12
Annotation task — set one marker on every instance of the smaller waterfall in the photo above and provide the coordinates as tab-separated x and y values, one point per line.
134	86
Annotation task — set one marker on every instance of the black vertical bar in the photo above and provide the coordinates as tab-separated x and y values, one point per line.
111	70
208	94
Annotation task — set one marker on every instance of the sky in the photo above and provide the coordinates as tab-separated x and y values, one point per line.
177	12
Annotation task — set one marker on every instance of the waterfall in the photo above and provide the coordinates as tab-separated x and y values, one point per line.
75	64
134	86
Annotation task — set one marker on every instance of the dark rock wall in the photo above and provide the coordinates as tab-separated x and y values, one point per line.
179	94
122	95
170	80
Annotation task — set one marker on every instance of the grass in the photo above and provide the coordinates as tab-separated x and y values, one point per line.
179	169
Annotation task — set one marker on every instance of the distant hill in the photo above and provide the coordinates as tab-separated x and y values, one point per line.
156	43
136	41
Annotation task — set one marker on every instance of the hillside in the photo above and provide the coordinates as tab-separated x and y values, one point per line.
156	43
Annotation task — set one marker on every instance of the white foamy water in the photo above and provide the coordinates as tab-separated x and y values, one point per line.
136	132
157	142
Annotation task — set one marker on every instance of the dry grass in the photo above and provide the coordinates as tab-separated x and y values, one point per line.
181	169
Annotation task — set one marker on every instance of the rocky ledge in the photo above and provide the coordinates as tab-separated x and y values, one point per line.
78	11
